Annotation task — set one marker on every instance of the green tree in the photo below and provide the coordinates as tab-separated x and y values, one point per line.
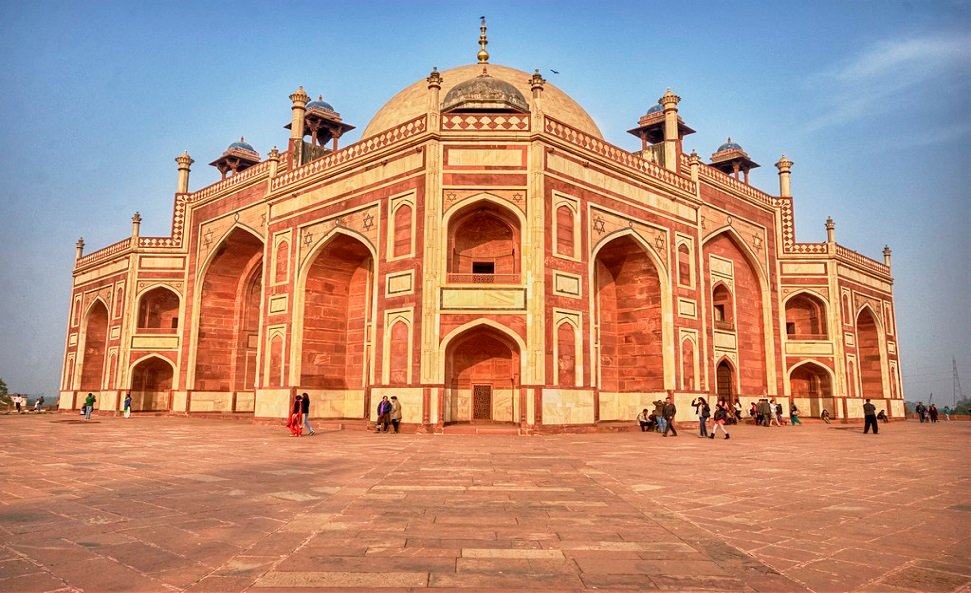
4	398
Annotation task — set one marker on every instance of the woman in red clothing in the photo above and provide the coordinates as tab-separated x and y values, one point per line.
295	425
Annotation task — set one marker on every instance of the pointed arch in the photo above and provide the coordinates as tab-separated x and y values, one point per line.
726	379
227	314
94	349
335	304
813	381
158	307
484	363
727	256
484	238
631	309
807	316
870	350
151	379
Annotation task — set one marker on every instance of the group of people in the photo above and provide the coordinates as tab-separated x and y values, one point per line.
20	403
389	415
661	419
766	412
930	413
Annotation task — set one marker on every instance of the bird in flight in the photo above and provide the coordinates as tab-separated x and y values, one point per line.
554	71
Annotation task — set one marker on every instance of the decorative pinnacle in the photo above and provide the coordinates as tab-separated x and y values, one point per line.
693	158
483	55
536	81
887	251
669	100
784	165
80	243
184	160
300	97
274	154
434	78
137	218
830	225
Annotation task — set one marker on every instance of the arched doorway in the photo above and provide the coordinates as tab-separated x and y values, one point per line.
95	347
725	381
814	382
229	316
482	374
868	354
336	309
151	384
628	302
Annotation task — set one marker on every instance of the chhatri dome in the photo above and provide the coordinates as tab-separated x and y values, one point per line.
464	86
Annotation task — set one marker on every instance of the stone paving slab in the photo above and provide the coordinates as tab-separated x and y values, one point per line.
187	504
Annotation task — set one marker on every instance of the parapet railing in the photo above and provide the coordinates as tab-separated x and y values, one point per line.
862	260
717	176
613	153
486	122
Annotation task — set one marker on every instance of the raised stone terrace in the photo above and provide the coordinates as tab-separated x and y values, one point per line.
176	504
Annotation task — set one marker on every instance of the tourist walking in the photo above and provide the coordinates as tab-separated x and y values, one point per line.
720	418
870	417
794	414
294	424
703	411
754	413
825	415
777	408
932	412
88	406
17	402
395	413
946	411
659	415
127	406
921	411
305	414
669	412
39	404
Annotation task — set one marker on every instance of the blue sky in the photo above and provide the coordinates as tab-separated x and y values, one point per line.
870	99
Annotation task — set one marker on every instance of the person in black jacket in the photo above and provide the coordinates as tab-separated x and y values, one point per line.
669	412
305	413
869	417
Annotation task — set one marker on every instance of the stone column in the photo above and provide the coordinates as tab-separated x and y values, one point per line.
136	223
299	100
434	103
886	255
185	161
274	158
785	169
79	248
672	140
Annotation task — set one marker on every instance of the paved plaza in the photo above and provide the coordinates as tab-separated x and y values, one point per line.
194	504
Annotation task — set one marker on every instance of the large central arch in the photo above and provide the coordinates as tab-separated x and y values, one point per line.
482	374
95	347
869	353
337	297
629	317
229	315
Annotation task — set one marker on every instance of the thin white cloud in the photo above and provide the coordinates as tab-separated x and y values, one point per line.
869	81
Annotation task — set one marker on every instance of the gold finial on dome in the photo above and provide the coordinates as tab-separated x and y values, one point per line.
483	55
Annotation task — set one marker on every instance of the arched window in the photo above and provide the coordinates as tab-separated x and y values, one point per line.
806	318
402	231
566	362
158	311
282	260
564	231
484	243
723	311
684	265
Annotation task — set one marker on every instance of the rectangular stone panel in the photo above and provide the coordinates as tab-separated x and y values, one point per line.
155	342
101	272
401	283
687	308
725	340
721	267
475	157
804	268
148	262
504	299
566	284
278	304
847	272
809	348
567	406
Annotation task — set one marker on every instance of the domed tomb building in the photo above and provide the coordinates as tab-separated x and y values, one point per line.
485	255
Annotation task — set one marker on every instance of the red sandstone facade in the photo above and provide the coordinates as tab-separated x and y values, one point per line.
484	254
